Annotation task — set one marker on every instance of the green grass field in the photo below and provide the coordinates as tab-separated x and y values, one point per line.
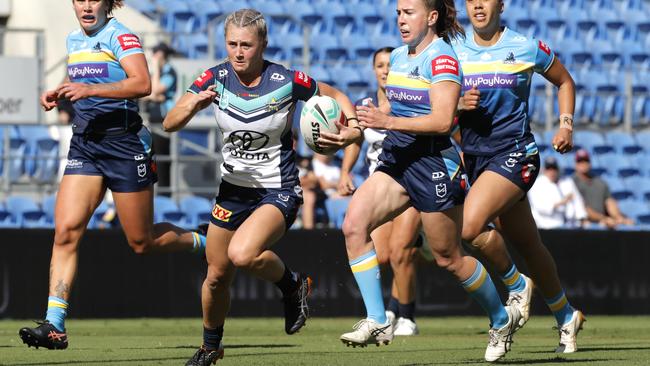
442	341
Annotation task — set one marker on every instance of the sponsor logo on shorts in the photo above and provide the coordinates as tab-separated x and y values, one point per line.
221	213
129	41
490	81
80	71
444	65
516	155
527	172
544	47
142	170
283	197
203	78
441	190
138	157
437	175
407	96
464	182
511	162
74	164
277	77
302	79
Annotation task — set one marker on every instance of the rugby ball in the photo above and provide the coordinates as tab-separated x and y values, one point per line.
320	114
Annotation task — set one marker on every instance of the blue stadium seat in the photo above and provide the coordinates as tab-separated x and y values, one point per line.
556	30
345	75
194	207
232	6
322	42
16	162
48	206
623	142
586	31
274	53
268	7
640	105
205	11
26	211
96	221
584	106
193	137
7	220
146	7
528	27
640	62
617	31
179	18
166	210
610	106
588	139
643	139
643	34
319	73
198	46
633	209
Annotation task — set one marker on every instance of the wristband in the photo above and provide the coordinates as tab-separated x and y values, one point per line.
359	128
566	121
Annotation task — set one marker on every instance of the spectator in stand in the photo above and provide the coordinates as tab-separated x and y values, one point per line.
556	202
601	207
328	174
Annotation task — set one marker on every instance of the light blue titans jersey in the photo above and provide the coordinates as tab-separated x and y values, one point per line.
502	73
407	89
96	59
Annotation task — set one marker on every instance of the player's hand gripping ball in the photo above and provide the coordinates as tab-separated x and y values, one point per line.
320	114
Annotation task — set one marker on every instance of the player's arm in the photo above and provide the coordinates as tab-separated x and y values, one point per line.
188	106
444	101
136	85
350	155
566	94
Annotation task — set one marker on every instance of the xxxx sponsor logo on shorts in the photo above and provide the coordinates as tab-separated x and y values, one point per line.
221	213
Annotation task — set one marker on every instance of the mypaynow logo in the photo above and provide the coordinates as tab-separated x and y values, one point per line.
80	71
490	81
408	96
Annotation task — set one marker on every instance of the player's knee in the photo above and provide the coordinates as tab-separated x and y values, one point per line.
67	236
400	257
383	257
354	227
449	262
471	230
140	245
217	278
242	259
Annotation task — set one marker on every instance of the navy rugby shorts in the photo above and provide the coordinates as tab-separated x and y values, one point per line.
126	161
434	182
520	165
234	204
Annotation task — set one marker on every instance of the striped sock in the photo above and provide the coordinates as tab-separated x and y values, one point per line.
479	286
199	242
513	280
561	308
366	272
57	309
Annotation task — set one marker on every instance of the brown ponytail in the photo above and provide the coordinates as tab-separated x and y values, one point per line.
447	26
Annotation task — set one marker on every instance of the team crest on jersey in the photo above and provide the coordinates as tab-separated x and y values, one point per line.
415	73
221	213
544	47
273	105
97	48
203	78
444	65
129	41
302	79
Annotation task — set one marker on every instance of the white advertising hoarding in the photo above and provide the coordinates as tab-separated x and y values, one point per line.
19	86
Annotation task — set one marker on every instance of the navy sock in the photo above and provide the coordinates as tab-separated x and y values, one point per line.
407	310
288	283
212	337
393	305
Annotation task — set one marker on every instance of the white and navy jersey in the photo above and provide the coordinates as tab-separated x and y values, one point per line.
255	123
502	73
95	59
374	138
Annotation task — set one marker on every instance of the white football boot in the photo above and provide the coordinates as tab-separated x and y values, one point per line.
405	327
569	333
521	300
368	331
500	339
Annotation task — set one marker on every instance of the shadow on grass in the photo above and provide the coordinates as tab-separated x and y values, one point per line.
605	348
98	362
226	346
517	362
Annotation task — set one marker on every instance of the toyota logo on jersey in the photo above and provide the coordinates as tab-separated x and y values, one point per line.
248	140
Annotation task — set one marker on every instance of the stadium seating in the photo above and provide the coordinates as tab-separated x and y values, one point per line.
196	208
26	212
165	209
